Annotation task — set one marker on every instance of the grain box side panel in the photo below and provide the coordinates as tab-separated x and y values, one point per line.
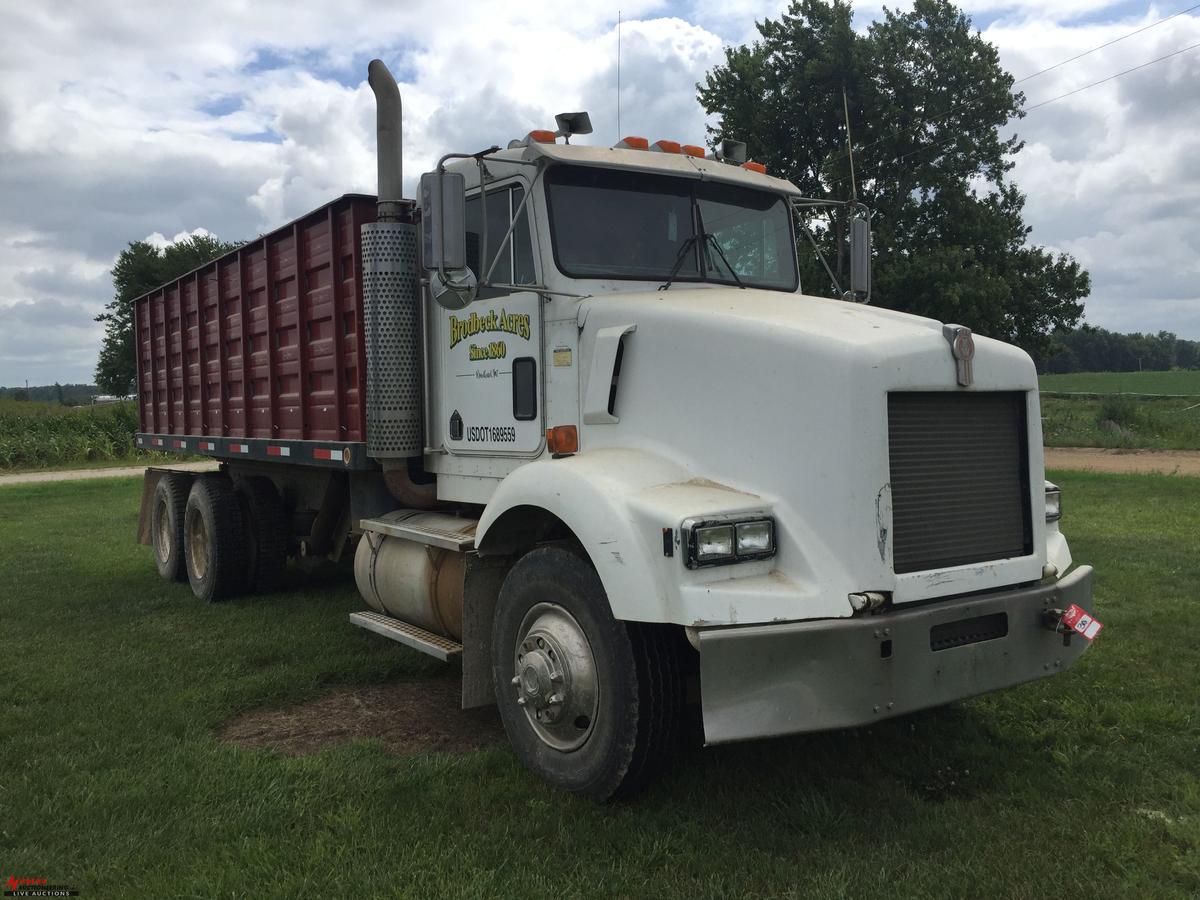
266	342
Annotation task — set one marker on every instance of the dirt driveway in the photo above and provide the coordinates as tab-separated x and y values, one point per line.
1095	459
81	474
1168	462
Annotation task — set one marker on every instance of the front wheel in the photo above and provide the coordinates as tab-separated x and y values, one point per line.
590	704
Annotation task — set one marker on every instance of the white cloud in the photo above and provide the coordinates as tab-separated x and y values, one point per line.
122	121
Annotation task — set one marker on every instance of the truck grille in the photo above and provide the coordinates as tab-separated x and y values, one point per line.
959	478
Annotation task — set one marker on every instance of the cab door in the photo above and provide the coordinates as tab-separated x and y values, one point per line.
491	395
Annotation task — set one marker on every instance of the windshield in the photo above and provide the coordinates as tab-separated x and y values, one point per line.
619	224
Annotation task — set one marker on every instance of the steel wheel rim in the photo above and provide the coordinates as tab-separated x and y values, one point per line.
163	548
197	547
555	677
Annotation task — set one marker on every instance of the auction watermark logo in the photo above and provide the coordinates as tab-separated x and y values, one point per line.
36	887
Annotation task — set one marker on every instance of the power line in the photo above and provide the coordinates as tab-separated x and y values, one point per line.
1110	77
1043	103
1108	44
968	103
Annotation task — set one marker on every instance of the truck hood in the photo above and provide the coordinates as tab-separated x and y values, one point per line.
833	329
784	398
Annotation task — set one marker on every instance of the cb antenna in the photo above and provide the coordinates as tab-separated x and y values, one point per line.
849	146
618	75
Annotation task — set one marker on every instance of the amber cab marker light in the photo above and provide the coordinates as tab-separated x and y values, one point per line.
667	147
755	167
563	439
693	150
541	136
632	143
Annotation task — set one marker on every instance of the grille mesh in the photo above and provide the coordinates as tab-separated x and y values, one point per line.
959	477
389	252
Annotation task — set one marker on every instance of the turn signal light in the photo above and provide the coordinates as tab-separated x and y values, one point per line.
667	147
693	150
632	143
563	439
755	167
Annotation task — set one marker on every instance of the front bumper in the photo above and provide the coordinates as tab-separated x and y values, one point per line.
766	680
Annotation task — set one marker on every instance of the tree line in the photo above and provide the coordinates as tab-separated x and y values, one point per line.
1089	349
64	394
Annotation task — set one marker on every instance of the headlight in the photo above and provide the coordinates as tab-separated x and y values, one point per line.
755	537
1053	502
718	541
714	543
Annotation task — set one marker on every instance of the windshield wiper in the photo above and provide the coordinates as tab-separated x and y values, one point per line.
711	239
687	244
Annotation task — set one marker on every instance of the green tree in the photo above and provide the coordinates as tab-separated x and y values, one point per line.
927	99
139	269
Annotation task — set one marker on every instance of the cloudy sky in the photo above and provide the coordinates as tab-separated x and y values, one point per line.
122	121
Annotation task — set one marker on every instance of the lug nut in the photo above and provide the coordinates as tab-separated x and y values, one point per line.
520	701
516	679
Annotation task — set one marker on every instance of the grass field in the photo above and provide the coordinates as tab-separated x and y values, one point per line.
1176	382
1121	422
1140	421
112	781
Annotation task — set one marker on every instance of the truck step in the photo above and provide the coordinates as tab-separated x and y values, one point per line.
410	635
433	528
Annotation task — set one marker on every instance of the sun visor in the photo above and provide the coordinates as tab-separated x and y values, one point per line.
677	164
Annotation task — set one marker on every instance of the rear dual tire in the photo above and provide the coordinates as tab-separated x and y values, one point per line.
166	525
266	527
214	539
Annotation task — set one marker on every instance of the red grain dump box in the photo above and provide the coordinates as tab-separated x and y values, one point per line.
262	353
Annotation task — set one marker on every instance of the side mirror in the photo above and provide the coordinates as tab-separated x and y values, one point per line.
444	238
860	260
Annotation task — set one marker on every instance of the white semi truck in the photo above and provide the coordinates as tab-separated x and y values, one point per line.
583	431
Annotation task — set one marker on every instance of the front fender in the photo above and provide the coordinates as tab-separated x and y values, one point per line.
617	502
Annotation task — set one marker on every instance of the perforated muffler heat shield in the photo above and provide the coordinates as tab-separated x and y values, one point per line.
393	328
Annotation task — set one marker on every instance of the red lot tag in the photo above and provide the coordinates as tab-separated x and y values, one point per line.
1082	621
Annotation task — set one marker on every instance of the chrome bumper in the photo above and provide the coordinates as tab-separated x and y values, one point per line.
766	680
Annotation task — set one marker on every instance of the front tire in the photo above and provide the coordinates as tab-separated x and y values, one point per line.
214	539
590	704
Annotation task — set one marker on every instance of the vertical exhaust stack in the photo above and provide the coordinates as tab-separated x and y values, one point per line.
391	292
389	140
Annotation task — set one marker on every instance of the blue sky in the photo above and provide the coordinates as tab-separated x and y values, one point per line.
121	122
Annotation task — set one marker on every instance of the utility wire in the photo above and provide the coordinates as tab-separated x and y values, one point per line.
968	103
1043	103
1110	78
1108	44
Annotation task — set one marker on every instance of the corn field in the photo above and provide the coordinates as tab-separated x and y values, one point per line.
40	435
